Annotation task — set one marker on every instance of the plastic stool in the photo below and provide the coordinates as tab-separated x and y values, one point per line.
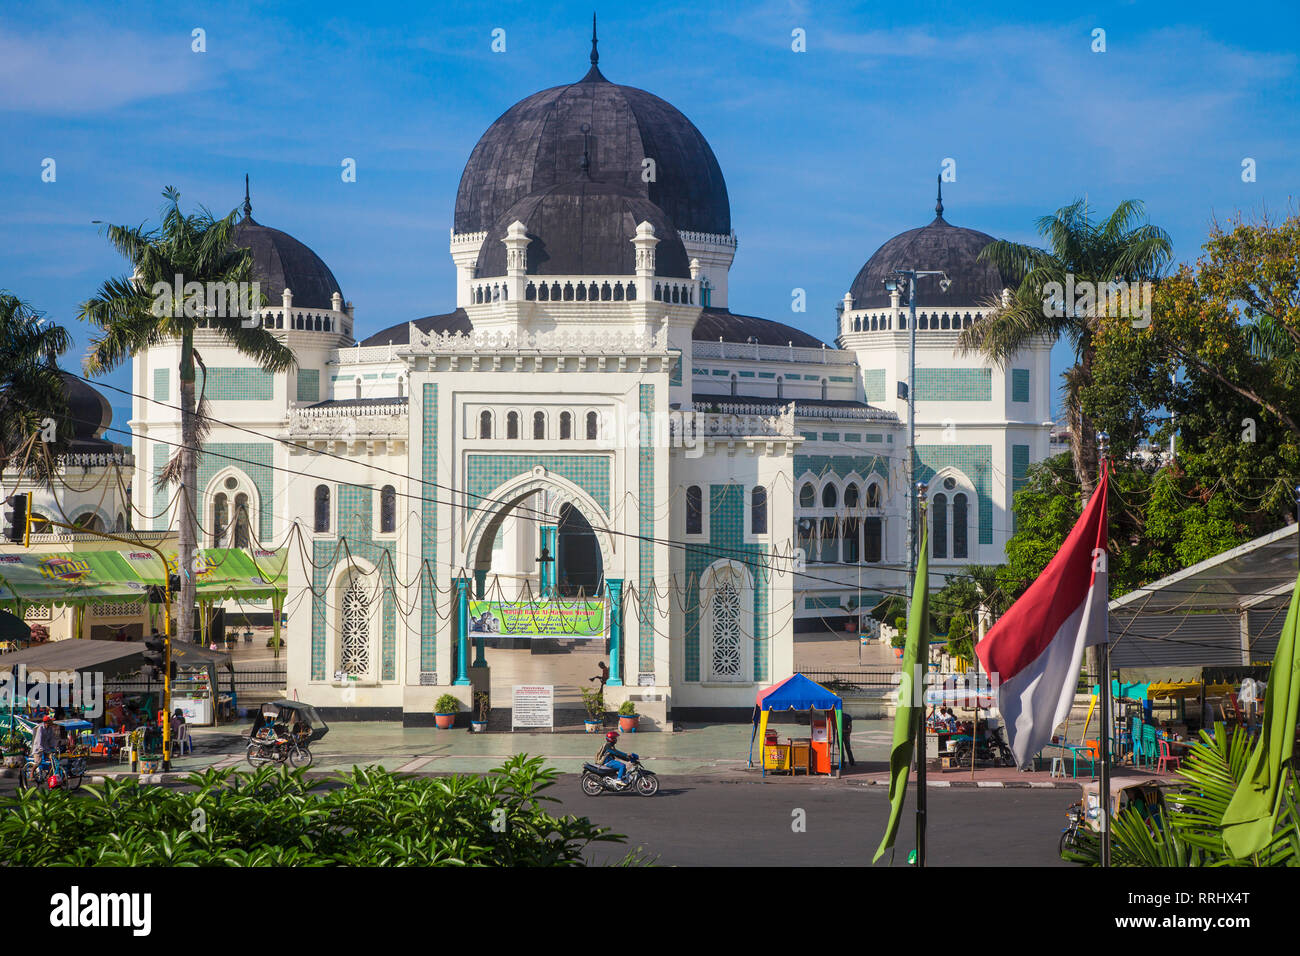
1058	767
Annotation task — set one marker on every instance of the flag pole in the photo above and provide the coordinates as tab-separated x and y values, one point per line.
1104	782
918	688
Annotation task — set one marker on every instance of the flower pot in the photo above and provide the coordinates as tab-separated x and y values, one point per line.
444	721
478	726
593	726
898	652
628	722
14	761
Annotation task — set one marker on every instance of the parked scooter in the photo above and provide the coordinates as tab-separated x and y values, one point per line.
992	748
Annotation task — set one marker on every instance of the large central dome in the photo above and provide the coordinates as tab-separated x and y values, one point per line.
540	142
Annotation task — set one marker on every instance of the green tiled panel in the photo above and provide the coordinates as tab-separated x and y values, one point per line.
161	496
975	462
954	384
675	373
485	473
1019	468
727	540
767	374
308	385
646	528
853	436
873	382
830	436
872	437
811	436
720	371
162	385
744	374
700	371
838	378
355	523
429	533
822	602
254	459
841	465
240	385
1020	384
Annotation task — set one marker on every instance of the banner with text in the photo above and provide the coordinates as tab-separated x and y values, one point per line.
578	619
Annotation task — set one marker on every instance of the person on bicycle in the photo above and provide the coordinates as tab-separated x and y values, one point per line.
611	756
45	739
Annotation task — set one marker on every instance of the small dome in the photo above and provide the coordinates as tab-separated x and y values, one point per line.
584	228
938	246
88	408
282	262
540	141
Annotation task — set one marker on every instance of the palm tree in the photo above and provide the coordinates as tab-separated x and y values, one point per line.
133	317
1123	247
32	389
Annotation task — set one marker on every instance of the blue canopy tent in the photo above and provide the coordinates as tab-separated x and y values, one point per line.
794	693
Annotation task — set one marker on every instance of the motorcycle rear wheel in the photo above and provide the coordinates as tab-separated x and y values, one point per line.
591	785
257	755
300	757
647	785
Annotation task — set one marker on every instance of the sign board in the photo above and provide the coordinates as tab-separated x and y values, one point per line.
428	678
573	619
532	705
645	679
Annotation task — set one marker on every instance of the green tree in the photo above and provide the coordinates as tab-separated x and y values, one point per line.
1122	247
32	388
135	312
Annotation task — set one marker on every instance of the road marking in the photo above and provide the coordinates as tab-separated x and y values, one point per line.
416	764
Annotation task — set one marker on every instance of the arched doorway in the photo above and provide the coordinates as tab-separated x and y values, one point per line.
578	565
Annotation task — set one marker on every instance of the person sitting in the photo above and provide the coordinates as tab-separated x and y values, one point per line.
45	739
611	756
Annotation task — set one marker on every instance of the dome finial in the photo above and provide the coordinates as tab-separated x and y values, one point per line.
595	57
248	205
938	205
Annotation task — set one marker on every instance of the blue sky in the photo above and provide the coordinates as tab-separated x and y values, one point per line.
826	153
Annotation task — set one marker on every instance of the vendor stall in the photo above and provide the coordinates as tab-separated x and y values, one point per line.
819	752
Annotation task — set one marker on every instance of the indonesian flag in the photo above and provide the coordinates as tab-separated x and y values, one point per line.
1034	652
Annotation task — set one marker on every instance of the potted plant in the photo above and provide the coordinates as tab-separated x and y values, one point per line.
900	639
594	702
627	717
484	704
445	709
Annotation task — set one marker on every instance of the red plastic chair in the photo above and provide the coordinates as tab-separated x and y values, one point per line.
1166	759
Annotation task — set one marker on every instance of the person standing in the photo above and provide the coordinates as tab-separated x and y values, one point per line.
603	676
846	742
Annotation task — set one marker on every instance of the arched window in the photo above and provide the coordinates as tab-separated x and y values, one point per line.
780	386
593	426
358	388
807	496
959	547
539	425
566	426
512	425
354	628
830	497
873	495
726	623
733	383
388	509
758	510
825	390
322	523
485	424
220	520
852	530
694	510
939	526
873	528
851	496
401	388
241	521
830	540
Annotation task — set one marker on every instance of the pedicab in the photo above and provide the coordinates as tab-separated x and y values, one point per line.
1147	796
283	731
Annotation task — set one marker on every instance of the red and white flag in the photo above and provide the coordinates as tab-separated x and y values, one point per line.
1035	650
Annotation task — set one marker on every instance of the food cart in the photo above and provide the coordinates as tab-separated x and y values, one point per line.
819	752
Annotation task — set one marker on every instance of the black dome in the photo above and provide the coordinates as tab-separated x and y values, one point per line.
540	141
584	228
282	262
939	245
87	407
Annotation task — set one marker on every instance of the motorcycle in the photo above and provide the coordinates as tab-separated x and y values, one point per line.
597	779
270	747
992	748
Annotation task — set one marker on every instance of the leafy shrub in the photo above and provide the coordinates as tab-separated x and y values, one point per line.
276	817
447	704
627	709
594	702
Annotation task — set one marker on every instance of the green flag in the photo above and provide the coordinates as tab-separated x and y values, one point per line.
1251	817
911	700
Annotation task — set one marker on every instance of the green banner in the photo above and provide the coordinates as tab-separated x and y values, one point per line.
537	619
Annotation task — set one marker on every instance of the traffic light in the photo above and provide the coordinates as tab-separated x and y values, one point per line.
153	651
15	520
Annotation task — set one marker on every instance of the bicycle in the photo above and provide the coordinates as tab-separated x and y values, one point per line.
68	771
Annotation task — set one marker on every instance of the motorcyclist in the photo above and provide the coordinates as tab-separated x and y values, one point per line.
611	756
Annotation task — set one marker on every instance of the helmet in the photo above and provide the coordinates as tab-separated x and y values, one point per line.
612	736
47	719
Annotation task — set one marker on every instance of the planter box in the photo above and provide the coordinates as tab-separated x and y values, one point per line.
444	721
593	726
628	724
478	726
14	761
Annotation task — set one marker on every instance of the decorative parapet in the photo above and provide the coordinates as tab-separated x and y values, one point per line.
772	353
735	422
708	238
352	421
560	341
592	290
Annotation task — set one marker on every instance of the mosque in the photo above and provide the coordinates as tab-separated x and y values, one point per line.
592	427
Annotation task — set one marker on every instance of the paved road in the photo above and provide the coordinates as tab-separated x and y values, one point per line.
721	824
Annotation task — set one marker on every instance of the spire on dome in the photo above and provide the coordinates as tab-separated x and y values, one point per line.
938	205
248	205
594	73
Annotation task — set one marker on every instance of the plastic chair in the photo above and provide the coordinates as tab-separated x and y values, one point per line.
183	743
1058	767
1166	759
